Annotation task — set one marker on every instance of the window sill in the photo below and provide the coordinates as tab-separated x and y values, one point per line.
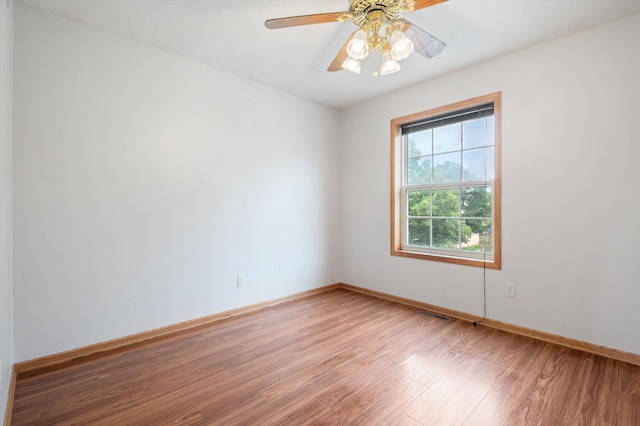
459	260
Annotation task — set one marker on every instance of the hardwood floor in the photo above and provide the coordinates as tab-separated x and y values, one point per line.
335	358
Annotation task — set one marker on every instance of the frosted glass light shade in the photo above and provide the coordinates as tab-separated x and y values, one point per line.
358	47
352	65
389	64
401	46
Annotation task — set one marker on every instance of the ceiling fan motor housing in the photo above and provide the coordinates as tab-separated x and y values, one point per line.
388	9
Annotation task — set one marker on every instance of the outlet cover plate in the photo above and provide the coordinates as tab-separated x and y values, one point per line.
510	290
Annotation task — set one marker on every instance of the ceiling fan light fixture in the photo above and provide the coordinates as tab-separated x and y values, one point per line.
401	46
389	64
358	47
380	29
352	65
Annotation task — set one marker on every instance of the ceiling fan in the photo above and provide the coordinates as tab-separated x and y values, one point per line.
380	29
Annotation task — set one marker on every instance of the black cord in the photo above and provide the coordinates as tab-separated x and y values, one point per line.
484	288
484	259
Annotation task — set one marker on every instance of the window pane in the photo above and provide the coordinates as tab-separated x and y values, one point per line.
445	233
477	133
445	202
419	203
447	168
419	232
420	143
481	238
477	202
419	170
475	161
447	138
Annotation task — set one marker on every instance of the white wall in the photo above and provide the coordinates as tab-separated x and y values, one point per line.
6	228
571	150
145	182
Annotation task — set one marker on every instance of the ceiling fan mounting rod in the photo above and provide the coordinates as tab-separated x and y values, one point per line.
375	20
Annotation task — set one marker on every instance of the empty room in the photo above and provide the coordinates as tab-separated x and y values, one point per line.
366	212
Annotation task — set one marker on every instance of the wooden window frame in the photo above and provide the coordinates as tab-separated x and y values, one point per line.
397	184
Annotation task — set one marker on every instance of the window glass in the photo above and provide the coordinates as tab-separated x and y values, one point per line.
446	167
446	138
478	164
477	133
420	143
419	170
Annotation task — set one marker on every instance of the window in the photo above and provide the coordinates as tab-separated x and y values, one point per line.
445	183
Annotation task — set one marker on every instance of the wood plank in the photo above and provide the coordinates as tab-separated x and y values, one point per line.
99	350
616	354
395	379
387	409
92	352
337	357
547	388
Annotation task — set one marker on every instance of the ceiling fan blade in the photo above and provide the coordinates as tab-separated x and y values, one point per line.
336	65
421	4
423	42
293	21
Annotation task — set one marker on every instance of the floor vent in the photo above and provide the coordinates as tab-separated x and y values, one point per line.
431	314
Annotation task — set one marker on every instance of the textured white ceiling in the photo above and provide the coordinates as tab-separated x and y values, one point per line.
230	35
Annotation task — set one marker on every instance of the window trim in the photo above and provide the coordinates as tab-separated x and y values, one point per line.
396	183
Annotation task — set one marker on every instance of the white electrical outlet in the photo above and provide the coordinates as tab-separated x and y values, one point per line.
510	290
240	280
